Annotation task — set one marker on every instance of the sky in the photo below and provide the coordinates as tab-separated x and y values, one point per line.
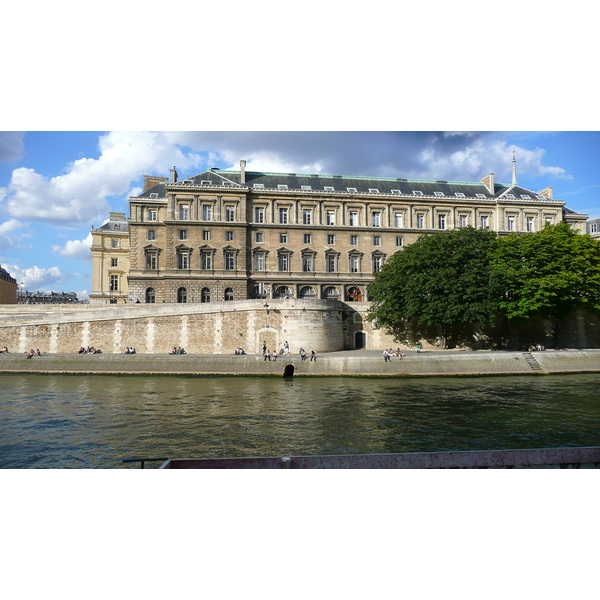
56	185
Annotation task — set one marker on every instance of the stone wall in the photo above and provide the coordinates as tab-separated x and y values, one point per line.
221	327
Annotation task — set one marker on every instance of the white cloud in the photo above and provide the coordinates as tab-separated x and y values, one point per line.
8	241
35	278
79	196
79	249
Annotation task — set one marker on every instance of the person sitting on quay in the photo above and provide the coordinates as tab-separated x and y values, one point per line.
274	355
37	352
31	353
303	354
4	350
399	354
239	351
266	354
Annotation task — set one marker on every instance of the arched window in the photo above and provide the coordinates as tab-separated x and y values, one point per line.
182	295
228	294
307	292
331	293
150	296
354	294
205	295
283	291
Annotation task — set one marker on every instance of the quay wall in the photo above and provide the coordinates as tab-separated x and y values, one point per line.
358	363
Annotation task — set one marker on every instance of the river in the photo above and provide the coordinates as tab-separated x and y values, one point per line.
72	421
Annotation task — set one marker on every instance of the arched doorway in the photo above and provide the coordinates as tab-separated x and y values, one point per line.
150	296
205	295
182	295
228	294
360	340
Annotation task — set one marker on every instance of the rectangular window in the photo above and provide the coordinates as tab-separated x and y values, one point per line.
330	239
399	220
484	222
308	238
284	262
114	262
376	240
114	283
593	226
229	261
376	219
229	236
328	188
354	264
282	186
151	261
184	212
206	212
377	261
399	241
353	240
151	234
330	217
331	263
353	219
510	224
307	216
305	188
307	263
230	213
259	214
530	224
284	214
420	221
206	261
259	237
205	235
152	214
283	238
259	261
441	221
351	190
183	260
114	243
462	220
183	234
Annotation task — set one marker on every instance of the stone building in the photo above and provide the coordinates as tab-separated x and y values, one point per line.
238	234
593	228
110	261
8	287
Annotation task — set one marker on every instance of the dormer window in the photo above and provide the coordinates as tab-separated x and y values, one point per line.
205	182
439	194
396	191
525	197
459	194
282	186
305	188
153	195
417	193
328	188
373	191
480	195
351	190
259	186
509	196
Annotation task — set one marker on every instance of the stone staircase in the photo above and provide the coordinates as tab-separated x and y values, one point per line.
532	362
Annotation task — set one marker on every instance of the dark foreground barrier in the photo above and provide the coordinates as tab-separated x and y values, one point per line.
574	458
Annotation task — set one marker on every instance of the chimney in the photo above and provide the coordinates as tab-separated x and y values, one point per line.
173	175
151	180
548	192
242	171
488	181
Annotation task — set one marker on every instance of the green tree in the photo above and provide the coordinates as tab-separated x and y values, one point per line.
440	286
547	274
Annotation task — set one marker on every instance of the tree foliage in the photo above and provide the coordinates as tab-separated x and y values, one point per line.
458	284
548	274
439	286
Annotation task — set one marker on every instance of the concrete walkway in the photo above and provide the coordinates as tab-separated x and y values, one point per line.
345	363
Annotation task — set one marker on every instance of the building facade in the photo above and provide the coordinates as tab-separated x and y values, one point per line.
238	234
8	287
110	261
593	228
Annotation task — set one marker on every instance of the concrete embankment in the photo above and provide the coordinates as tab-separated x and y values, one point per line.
349	363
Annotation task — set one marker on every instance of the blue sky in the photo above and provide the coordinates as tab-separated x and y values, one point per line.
54	186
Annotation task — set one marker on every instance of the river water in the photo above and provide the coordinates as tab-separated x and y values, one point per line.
62	421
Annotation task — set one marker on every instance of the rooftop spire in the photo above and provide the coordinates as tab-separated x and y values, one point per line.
514	172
